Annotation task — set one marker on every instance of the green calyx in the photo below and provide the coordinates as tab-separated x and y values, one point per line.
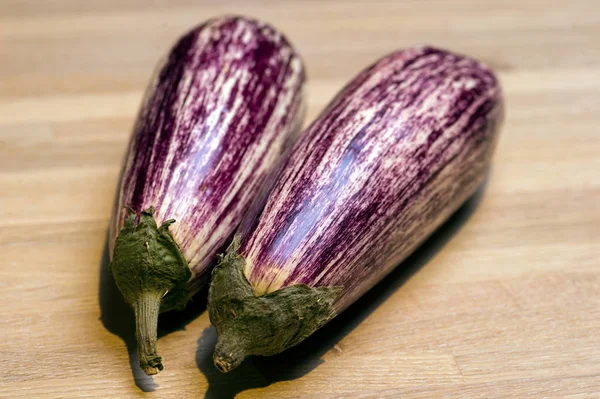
264	325
151	273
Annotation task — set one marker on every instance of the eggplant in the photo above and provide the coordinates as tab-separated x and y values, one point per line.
395	153
222	109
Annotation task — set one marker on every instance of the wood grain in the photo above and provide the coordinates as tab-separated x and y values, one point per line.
503	302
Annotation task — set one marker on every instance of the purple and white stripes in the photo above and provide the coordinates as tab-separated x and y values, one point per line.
222	108
398	150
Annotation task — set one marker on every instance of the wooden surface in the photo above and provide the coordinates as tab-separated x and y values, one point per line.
503	302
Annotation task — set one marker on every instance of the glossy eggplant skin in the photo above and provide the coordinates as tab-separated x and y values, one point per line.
219	114
394	155
224	104
396	152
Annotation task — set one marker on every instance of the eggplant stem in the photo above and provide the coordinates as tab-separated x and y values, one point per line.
263	325
146	264
146	309
228	354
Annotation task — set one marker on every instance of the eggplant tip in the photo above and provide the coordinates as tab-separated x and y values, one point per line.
221	364
151	370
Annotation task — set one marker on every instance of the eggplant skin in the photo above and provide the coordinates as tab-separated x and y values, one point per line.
397	151
215	120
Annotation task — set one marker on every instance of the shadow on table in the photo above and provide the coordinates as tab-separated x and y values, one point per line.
117	317
296	362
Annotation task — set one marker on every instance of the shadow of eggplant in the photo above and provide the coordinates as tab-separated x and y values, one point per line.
296	362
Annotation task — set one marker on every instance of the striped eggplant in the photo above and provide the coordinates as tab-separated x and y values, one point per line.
396	152
220	112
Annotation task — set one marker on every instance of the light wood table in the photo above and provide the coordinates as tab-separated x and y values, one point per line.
503	302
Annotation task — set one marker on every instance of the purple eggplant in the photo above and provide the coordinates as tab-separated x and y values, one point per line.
396	152
220	112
